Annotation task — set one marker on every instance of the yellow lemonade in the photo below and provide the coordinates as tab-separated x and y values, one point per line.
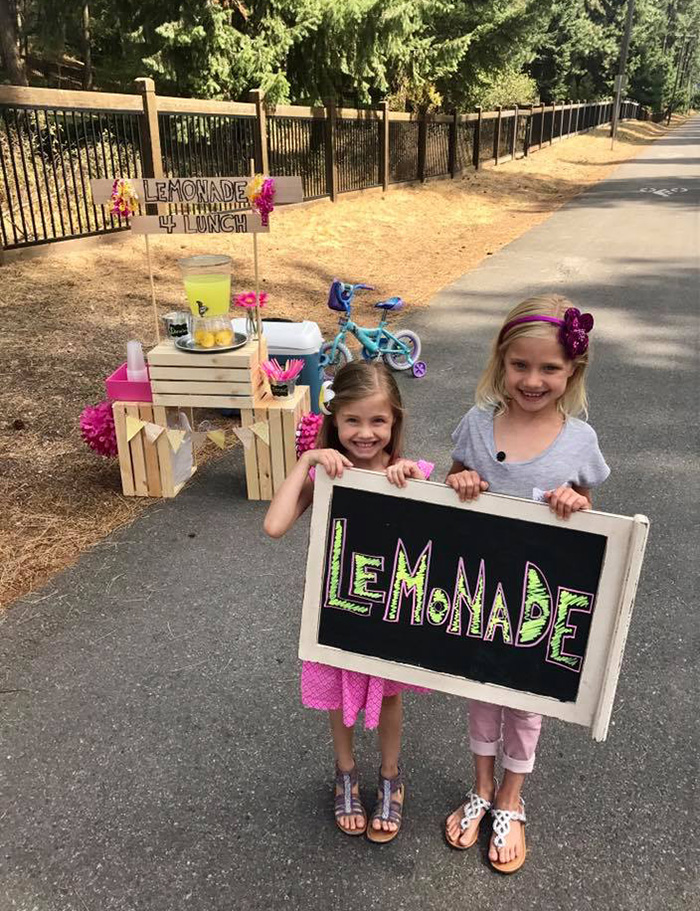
208	295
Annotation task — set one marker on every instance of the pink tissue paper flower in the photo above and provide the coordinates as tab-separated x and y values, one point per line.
97	429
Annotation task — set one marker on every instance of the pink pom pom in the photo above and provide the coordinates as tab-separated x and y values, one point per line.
97	429
307	431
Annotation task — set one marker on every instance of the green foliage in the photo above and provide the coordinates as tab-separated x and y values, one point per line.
507	87
420	54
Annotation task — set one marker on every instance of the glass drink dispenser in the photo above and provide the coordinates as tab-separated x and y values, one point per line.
208	288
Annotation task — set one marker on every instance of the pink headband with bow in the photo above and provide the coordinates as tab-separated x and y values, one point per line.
573	330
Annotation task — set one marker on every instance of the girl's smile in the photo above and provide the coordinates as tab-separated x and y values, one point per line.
364	429
535	373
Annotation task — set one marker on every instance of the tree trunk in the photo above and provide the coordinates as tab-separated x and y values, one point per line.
8	46
87	50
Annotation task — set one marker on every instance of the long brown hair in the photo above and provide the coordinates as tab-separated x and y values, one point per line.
358	380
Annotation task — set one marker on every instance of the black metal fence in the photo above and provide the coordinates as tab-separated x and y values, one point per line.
297	146
47	158
48	153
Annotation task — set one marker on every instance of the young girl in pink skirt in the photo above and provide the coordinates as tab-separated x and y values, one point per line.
364	429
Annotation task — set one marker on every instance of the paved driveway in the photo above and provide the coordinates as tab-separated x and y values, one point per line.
155	754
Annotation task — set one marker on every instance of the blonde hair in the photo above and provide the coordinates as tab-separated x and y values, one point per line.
491	391
358	380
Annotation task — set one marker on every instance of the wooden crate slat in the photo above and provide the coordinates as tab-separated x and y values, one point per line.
250	455
123	448
191	387
276	449
264	466
163	450
138	459
151	456
215	374
203	401
289	426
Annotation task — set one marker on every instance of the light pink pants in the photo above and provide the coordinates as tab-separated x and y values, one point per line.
520	732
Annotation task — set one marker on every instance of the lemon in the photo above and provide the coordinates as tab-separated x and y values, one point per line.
206	340
224	337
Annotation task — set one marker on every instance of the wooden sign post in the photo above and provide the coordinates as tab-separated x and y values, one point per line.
494	599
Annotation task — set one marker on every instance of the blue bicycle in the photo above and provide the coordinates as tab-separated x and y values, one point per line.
400	350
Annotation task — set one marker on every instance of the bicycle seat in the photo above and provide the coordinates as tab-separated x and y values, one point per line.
391	303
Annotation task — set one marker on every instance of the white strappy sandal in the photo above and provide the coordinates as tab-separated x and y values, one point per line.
473	805
501	829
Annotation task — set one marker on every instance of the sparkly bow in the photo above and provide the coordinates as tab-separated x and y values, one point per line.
573	334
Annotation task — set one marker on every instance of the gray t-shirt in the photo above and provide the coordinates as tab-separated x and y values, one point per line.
572	458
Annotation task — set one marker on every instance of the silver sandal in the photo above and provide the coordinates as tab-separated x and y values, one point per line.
473	805
346	803
501	829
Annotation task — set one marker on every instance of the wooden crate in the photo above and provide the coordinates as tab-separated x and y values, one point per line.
228	379
266	467
146	468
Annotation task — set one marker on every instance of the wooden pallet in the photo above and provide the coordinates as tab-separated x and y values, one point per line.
229	379
146	468
266	467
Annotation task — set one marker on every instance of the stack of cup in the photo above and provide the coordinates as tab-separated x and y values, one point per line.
136	371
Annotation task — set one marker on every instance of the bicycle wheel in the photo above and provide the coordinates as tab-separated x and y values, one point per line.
403	360
342	356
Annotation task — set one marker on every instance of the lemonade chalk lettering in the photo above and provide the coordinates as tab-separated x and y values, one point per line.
408	594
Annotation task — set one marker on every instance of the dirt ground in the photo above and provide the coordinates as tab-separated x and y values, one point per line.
67	319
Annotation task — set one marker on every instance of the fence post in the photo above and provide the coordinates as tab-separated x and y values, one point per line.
384	158
477	140
331	164
499	108
152	159
566	106
261	161
554	120
452	147
422	145
541	127
515	132
528	131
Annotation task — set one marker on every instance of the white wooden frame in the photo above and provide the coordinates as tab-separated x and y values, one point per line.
626	540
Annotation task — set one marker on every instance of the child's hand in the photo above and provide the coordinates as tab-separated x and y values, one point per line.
565	500
467	484
333	461
400	471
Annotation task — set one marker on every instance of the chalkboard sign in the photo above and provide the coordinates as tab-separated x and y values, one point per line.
495	599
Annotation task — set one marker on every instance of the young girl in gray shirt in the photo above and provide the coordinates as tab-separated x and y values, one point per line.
522	438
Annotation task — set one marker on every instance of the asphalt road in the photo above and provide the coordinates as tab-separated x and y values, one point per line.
155	754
